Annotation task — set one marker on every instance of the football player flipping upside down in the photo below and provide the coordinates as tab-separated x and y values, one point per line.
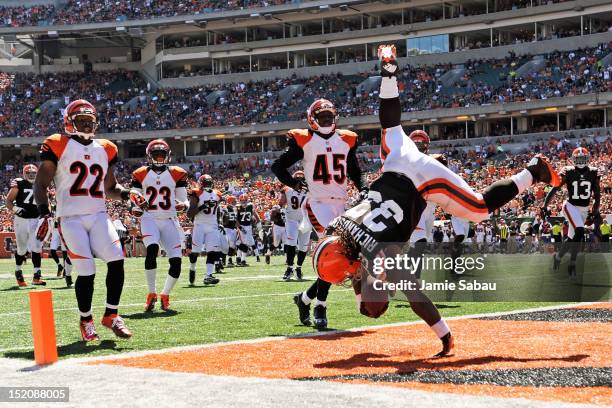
395	202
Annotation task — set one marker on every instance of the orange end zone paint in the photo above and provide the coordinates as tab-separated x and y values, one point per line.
481	345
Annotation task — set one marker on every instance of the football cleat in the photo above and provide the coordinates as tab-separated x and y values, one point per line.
191	278
210	280
88	331
303	309
448	344
165	302
150	302
320	317
68	281
20	281
38	282
60	271
117	325
288	273
298	273
556	262
543	171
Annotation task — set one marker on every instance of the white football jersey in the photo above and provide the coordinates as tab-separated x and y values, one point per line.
209	214
81	169
160	189
293	211
324	161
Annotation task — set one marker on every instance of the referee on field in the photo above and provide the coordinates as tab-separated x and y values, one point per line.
504	232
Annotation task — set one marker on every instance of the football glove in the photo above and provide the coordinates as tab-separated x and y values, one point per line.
44	227
180	206
138	199
18	211
300	186
388	63
136	211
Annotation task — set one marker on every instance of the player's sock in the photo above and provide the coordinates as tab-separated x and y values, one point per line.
67	263
312	290
301	255
290	249
500	193
151	276
305	298
53	254
36	261
173	274
210	268
193	259
19	262
323	291
440	328
84	288
114	286
320	302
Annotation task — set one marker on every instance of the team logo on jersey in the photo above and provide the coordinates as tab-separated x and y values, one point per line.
87	157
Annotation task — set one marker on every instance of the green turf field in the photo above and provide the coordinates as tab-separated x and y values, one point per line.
249	303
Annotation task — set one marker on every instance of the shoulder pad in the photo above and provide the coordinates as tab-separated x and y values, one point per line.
110	148
177	173
301	136
349	137
140	173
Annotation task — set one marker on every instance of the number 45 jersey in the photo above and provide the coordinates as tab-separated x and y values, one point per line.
160	189
81	169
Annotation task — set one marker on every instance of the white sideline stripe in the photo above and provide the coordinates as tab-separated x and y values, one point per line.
141	304
306	335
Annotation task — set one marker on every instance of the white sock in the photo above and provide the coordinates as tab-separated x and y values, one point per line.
441	328
388	88
305	299
210	268
192	267
151	275
36	270
358	300
170	282
17	268
320	302
68	269
523	180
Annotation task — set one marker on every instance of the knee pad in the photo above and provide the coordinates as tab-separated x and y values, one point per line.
193	257
175	267
373	309
151	259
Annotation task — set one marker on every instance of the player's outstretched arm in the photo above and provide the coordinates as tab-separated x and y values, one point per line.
193	206
290	156
390	111
10	198
44	177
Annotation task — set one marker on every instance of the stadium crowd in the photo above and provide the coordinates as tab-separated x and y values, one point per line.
96	11
563	74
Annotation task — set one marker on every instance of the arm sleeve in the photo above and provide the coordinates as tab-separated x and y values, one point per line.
135	184
353	170
292	155
46	153
390	111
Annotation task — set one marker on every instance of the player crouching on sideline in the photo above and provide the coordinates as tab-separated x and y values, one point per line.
20	200
165	188
81	168
204	210
386	218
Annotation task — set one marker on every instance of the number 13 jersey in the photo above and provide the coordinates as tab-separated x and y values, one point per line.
81	169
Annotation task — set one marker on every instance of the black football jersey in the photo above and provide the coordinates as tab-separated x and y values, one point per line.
278	218
580	184
229	217
25	197
245	214
389	214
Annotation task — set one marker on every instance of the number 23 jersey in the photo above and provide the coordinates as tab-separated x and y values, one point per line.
80	174
159	189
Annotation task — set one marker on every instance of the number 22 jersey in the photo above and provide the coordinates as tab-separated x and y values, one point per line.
81	169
